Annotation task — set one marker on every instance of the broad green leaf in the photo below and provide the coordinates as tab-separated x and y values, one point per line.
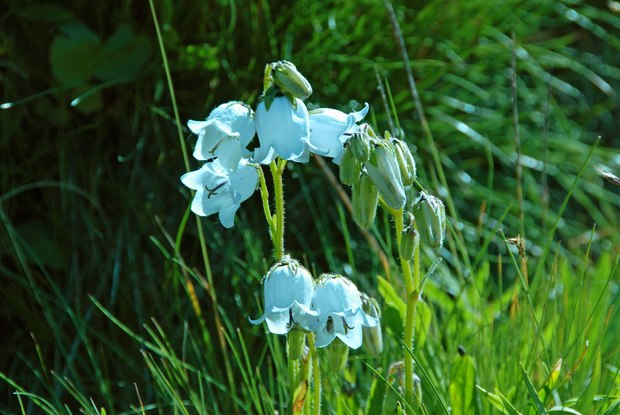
463	386
123	55
586	400
75	54
422	322
391	297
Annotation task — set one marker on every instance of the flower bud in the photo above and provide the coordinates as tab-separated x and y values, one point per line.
350	168
296	343
430	215
364	198
409	238
290	80
337	355
382	168
406	162
373	338
360	145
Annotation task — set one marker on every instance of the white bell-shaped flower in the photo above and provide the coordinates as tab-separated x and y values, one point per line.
341	315
288	289
283	131
225	134
330	129
218	190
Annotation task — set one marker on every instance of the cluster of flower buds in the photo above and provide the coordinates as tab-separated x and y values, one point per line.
332	307
372	165
284	128
384	166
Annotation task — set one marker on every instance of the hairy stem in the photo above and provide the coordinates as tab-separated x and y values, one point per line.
316	374
412	281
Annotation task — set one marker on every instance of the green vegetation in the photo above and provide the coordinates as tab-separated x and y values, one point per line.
109	305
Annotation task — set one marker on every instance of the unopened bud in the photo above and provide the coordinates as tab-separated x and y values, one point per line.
383	169
295	343
409	238
406	162
373	337
290	80
364	197
337	354
430	215
350	168
360	145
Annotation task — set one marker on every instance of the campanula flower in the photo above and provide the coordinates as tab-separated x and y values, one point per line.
330	129
218	190
225	134
283	131
288	289
341	315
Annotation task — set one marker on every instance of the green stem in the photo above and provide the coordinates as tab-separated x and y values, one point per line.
264	194
412	281
277	170
293	377
316	374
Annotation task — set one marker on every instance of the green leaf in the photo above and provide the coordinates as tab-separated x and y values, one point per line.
586	400
508	406
75	54
494	399
123	55
422	321
392	319
463	386
377	394
391	297
534	395
563	410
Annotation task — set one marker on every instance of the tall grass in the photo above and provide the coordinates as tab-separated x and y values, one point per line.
106	302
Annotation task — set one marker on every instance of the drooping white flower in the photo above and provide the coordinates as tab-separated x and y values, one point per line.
288	289
340	312
225	134
330	129
283	131
218	190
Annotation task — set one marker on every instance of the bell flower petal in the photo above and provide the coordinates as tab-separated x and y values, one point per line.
339	304
283	130
218	190
330	129
288	289
225	134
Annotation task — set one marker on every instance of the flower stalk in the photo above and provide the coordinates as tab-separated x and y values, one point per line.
316	374
277	170
412	282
